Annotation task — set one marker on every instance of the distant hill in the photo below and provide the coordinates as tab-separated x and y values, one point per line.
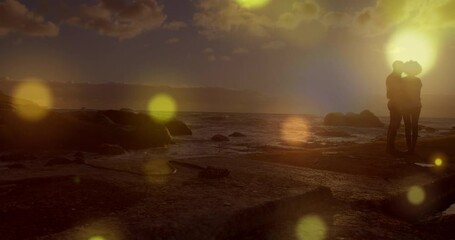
211	99
136	96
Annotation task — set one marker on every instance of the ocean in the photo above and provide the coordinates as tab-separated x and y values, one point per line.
266	132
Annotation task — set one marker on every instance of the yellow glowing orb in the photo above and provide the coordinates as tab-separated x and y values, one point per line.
311	227
158	171
294	130
32	99
97	238
162	107
412	45
416	195
250	4
438	162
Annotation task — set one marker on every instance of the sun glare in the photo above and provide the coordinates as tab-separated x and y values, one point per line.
412	45
251	4
32	98
162	107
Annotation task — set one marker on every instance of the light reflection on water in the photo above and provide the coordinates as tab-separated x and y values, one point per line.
264	132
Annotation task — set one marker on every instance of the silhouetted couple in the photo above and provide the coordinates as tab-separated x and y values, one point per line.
404	103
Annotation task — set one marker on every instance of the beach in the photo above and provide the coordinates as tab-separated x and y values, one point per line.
336	192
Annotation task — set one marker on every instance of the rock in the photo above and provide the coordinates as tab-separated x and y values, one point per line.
84	130
110	149
178	128
237	134
95	117
427	129
364	119
213	173
220	138
335	119
58	161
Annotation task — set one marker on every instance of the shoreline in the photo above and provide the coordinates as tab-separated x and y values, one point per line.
353	186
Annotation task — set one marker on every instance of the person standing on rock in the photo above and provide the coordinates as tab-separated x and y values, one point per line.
394	94
411	103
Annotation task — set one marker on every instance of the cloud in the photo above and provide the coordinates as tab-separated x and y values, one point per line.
302	11
211	58
175	25
173	40
208	51
240	51
383	16
226	58
116	18
216	18
274	45
16	18
337	19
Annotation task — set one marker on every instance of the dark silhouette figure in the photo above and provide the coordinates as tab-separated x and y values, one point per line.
411	103
394	92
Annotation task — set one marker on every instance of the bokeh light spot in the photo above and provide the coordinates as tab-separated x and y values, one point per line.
77	180
412	45
97	238
311	227
162	107
251	4
158	171
294	130
416	195
32	98
438	162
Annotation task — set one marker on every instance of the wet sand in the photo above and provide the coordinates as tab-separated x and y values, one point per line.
356	192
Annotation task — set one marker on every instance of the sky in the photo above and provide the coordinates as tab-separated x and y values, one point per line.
330	52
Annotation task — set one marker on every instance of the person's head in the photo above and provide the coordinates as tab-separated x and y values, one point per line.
412	68
398	67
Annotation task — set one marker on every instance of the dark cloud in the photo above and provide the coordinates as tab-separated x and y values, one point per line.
175	25
15	17
216	18
119	19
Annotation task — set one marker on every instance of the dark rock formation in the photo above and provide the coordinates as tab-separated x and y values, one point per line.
110	149
427	129
237	134
84	130
178	128
58	161
364	119
220	138
213	173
